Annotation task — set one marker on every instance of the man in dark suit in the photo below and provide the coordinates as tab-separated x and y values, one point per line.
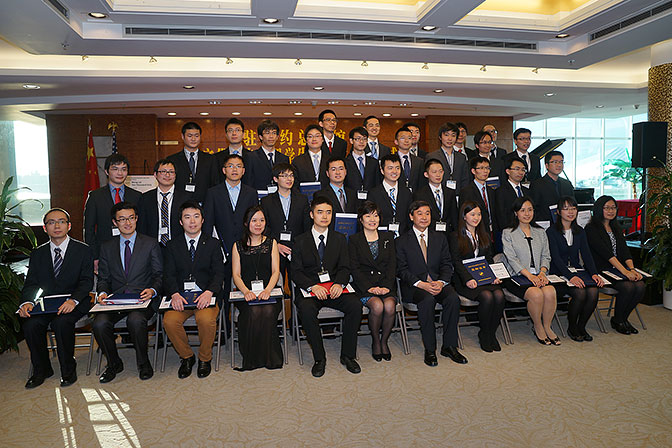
374	147
547	190
454	164
333	144
363	170
508	191
461	141
311	166
412	166
61	266
196	171
158	208
496	151
522	137
130	263
425	270
97	223
259	169
483	143
287	213
415	146
235	133
479	192
192	264
392	197
441	199
320	266
343	199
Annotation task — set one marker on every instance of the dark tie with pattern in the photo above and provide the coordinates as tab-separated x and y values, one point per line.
361	166
321	247
192	164
164	217
407	168
270	159
127	257
341	199
58	262
520	192
192	249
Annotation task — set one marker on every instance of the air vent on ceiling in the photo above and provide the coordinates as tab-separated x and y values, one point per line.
631	21
60	8
148	31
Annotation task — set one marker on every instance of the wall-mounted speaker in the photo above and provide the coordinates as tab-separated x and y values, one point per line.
649	144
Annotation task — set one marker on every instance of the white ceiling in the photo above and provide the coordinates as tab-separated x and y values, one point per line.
41	47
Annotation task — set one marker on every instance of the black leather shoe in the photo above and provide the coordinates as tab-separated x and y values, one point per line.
69	380
586	336
318	368
37	379
111	372
494	343
620	327
484	342
186	364
387	356
377	356
632	329
430	359
452	353
145	371
350	364
203	369
578	337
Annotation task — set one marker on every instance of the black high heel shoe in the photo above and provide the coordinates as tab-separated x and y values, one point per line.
545	341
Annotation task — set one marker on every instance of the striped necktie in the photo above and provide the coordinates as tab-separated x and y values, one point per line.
58	261
164	217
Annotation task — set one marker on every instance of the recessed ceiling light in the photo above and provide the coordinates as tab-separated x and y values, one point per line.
204	113
235	113
438	90
85	57
600	106
172	114
357	114
255	101
268	113
270	20
188	87
562	35
414	114
428	28
294	102
31	86
332	102
214	102
549	94
98	15
318	88
369	103
387	114
298	114
403	104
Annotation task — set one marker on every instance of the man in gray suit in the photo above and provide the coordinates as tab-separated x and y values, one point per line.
454	164
130	263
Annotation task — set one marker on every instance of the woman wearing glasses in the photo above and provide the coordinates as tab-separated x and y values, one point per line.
610	252
569	245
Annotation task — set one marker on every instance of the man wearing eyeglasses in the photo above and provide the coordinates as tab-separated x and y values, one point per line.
546	190
235	134
509	190
61	266
130	263
332	142
495	151
479	192
363	170
483	142
158	208
260	163
522	137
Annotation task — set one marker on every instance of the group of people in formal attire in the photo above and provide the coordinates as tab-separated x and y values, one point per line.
205	230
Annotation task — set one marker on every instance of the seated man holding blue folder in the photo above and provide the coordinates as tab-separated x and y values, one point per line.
193	274
62	267
130	264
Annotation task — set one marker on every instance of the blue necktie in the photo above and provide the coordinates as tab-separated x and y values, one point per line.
393	200
192	249
374	151
361	166
321	247
520	192
58	262
407	168
270	159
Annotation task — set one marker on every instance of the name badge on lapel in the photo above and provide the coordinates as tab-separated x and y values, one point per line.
451	184
286	235
393	227
272	189
189	285
257	286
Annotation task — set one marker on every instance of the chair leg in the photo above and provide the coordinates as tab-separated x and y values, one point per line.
508	328
233	338
557	320
611	306
219	341
405	330
641	321
90	356
600	322
156	339
297	332
100	361
52	344
165	350
502	327
284	332
459	338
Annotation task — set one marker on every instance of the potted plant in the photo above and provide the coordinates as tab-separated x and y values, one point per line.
622	169
14	234
659	209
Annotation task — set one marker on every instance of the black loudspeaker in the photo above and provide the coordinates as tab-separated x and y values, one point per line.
649	144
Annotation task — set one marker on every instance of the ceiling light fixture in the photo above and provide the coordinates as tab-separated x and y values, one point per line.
571	61
535	70
403	104
229	61
428	28
600	106
483	68
365	64
414	114
425	66
255	101
214	102
318	88
270	20
369	103
294	102
387	114
204	113
549	94
97	15
438	90
298	114
268	113
172	114
152	60
31	86
298	62
562	36
332	102
188	87
85	57
357	114
235	113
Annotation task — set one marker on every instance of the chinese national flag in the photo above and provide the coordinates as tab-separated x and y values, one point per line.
92	181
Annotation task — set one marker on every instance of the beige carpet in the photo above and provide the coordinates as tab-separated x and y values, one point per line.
614	391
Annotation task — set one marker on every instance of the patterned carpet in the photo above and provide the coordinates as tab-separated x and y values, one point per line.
614	391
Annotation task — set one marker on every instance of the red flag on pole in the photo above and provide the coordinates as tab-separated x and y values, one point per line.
92	181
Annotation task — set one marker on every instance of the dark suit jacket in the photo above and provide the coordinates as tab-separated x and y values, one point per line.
450	209
207	269
219	213
340	147
600	246
306	260
97	217
351	201
75	278
462	275
496	169
299	216
470	153
504	197
461	173
148	209
372	175
563	255
383	150
221	156
304	168
146	269
382	199
422	154
471	193
207	174
417	178
411	266
544	194
533	173
367	272
259	169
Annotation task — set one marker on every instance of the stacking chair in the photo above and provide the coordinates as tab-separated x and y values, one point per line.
397	325
467	308
611	297
411	321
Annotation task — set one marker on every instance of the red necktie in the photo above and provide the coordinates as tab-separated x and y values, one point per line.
117	198
329	146
485	198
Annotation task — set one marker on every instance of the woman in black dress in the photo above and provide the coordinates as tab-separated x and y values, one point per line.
471	240
373	265
256	258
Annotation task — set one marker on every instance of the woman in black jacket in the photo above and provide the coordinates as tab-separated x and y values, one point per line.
373	265
610	252
470	240
569	245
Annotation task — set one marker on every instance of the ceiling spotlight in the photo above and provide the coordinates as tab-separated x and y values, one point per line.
214	102
425	66
415	114
270	20
438	90
31	86
235	113
600	106
98	15
549	94
428	28
561	36
85	57
172	114
298	114
298	62
369	103
332	102
403	104
365	64
255	101
294	102
204	113
387	114
229	61
535	70
483	69
318	88
357	114
188	87
571	61
268	113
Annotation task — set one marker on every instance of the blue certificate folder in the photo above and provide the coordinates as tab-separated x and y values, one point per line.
191	298
585	276
521	280
276	294
309	189
480	270
51	304
123	299
346	223
492	182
